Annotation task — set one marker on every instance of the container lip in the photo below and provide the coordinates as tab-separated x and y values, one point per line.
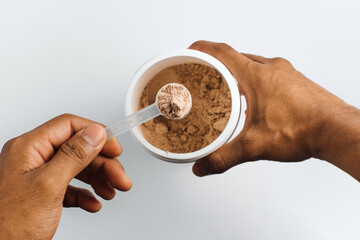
221	139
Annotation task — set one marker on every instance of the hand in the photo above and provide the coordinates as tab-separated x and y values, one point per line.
288	118
37	167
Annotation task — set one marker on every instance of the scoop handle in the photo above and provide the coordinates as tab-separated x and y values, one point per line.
132	120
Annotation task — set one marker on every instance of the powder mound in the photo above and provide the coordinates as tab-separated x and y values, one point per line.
174	101
209	115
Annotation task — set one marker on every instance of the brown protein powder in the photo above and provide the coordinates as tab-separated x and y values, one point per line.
210	112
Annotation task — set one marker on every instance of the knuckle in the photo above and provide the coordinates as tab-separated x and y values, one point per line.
66	116
280	61
211	47
222	47
73	150
13	144
9	144
198	44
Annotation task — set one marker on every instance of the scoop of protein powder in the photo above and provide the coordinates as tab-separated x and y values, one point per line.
174	101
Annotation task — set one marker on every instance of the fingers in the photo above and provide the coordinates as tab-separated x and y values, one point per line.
234	61
221	51
105	174
83	198
112	148
102	187
239	65
113	172
75	154
256	58
243	148
52	134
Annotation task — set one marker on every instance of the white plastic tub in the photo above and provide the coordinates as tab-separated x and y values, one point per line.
150	69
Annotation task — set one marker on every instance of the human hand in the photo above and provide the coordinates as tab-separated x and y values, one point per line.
288	117
37	167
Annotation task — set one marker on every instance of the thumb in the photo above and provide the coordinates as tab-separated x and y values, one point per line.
75	154
241	149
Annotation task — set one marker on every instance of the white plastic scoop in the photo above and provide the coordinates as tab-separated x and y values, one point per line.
173	101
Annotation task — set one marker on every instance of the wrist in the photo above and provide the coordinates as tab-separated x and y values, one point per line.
337	138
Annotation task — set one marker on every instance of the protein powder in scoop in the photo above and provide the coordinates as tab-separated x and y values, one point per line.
174	101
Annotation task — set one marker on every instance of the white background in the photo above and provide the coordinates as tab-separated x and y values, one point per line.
79	57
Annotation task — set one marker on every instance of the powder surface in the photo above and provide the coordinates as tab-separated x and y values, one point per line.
174	101
210	112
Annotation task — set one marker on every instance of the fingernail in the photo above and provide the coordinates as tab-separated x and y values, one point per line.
199	170
93	134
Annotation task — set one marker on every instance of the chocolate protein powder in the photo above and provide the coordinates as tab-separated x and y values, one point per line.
210	112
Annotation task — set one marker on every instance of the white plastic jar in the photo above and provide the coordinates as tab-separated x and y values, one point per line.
154	66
